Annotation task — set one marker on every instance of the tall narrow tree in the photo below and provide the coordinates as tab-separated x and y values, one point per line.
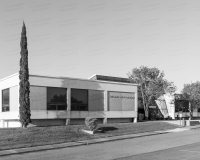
24	90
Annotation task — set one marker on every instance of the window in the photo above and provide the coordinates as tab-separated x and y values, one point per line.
181	106
5	100
79	100
56	98
198	109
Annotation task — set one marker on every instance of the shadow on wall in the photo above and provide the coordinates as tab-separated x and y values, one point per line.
81	84
85	95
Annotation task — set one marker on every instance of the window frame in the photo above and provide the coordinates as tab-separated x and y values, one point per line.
56	104
8	100
80	105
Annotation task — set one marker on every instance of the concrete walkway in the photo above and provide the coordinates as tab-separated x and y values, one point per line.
93	141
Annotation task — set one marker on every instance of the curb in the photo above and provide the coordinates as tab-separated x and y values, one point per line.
86	142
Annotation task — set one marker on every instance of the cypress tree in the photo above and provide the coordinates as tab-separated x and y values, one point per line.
24	90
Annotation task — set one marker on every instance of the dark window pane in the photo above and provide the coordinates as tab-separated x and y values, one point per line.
79	99
5	100
56	98
5	108
62	107
51	107
74	107
56	95
83	107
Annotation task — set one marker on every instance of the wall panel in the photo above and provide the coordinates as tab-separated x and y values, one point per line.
38	98
120	101
14	101
114	101
128	102
96	100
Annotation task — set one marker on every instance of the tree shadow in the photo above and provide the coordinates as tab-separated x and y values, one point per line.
106	129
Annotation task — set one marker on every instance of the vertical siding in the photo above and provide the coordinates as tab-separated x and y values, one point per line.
14	101
38	98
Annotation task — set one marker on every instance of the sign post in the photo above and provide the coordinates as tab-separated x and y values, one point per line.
180	115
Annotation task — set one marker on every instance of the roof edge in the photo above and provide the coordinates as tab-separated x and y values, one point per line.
92	76
46	76
15	74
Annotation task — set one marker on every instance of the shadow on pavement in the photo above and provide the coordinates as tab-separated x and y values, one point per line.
106	129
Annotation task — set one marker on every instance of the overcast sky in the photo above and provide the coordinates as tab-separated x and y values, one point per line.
79	38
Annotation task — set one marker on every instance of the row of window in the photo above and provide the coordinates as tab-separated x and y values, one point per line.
56	99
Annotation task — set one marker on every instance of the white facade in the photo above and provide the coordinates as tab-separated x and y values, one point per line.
107	101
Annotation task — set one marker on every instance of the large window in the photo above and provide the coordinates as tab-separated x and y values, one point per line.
5	100
79	100
56	98
181	106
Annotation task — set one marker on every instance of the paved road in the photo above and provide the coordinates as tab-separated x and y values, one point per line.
187	152
162	147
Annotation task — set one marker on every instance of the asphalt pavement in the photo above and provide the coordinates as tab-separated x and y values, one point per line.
186	152
89	142
129	148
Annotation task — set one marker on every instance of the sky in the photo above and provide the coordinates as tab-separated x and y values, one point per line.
80	38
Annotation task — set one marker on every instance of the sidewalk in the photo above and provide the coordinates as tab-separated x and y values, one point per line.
93	141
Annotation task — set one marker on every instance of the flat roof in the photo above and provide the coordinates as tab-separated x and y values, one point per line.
61	77
110	78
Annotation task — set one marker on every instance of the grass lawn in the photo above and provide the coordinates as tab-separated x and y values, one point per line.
11	138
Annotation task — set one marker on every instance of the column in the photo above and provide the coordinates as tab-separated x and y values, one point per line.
2	123
68	94
105	105
136	106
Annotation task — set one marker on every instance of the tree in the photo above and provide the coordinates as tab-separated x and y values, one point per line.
151	84
24	90
191	93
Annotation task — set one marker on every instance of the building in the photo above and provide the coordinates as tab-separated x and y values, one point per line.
63	100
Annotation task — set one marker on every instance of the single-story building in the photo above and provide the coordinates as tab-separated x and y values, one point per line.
63	100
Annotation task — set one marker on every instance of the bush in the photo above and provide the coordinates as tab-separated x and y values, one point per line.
141	117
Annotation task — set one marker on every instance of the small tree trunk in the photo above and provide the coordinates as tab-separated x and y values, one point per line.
190	111
146	114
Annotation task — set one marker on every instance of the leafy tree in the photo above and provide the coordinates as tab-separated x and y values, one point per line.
191	93
24	90
151	84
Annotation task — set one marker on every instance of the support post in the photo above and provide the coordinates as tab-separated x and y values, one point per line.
2	123
135	120
68	94
136	106
105	105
